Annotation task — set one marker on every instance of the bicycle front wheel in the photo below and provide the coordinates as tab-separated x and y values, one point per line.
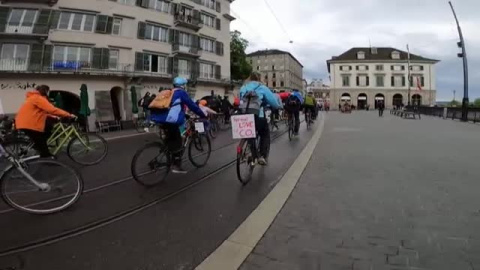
62	186
245	162
88	149
151	164
199	150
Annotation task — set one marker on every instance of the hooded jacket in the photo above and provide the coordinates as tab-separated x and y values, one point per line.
264	93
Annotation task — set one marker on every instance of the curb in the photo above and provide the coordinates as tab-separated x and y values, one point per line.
233	251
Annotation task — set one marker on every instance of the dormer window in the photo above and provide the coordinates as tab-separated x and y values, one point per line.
361	55
374	50
395	55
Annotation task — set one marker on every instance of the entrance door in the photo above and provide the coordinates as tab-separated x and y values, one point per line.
362	102
379	99
116	95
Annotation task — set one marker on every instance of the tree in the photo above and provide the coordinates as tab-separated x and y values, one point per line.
240	68
454	103
476	103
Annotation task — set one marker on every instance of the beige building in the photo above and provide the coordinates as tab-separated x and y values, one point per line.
280	70
112	45
320	90
371	75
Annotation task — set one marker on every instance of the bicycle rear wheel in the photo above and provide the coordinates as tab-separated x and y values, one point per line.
88	149
64	186
151	164
199	150
290	129
245	162
308	120
213	129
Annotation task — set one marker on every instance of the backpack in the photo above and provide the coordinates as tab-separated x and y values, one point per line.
163	100
293	101
251	102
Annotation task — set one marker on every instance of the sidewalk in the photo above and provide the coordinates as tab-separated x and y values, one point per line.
373	199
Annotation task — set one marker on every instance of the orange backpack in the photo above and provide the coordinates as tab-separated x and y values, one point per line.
163	100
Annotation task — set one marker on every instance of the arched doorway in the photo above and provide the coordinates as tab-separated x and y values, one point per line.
379	98
417	100
116	96
69	101
397	100
345	98
362	101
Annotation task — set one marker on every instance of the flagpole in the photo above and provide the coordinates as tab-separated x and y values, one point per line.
409	76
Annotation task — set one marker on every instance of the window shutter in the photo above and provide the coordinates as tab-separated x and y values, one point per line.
218	72
218	7
356	68
102	22
47	56
97	58
55	16
170	65
174	8
142	3
109	25
422	81
403	80
171	35
41	25
403	67
421	68
367	67
393	81
105	58
219	26
139	61
195	69
218	47
368	81
196	16
391	67
358	81
141	30
175	67
349	67
176	37
36	54
4	12
138	3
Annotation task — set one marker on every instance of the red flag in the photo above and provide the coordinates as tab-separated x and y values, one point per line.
419	85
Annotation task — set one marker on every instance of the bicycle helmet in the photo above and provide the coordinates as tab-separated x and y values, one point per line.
180	82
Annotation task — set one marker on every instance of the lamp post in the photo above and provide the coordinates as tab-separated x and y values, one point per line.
463	55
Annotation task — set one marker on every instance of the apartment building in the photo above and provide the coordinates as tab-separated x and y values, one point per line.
371	75
280	69
112	46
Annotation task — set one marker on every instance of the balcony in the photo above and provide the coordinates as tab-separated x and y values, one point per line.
210	78
190	51
17	65
48	2
26	32
188	21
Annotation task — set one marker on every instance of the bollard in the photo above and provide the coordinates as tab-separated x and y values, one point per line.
444	113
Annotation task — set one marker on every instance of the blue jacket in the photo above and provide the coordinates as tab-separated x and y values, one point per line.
176	113
264	93
297	94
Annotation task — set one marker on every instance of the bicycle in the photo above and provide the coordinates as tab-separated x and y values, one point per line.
213	126
155	158
273	122
308	119
290	126
247	155
26	178
79	145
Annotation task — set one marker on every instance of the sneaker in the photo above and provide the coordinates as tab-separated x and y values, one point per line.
262	161
178	169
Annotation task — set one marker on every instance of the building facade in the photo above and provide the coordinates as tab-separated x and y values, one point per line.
320	90
280	70
112	46
367	76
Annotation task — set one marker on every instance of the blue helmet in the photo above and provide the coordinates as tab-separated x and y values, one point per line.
179	81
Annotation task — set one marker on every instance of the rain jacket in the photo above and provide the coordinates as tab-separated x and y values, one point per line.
176	113
309	101
297	94
34	112
264	93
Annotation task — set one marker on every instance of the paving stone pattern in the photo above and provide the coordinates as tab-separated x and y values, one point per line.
382	193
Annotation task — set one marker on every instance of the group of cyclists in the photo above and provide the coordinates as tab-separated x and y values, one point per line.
34	116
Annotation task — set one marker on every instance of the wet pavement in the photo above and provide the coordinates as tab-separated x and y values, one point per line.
381	193
118	224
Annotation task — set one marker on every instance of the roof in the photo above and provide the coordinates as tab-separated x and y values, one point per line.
384	53
272	52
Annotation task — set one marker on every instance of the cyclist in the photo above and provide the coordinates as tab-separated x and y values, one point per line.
256	96
34	118
293	105
310	105
173	117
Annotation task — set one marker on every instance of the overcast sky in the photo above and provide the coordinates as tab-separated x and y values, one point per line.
321	29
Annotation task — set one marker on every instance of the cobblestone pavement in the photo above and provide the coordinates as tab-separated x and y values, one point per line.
382	193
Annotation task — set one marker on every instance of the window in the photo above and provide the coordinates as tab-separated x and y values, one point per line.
117	27
207	20
76	21
416	68
185	39
208	3
14	56
345	80
207	71
184	68
208	45
345	68
395	55
398	81
71	57
379	67
282	84
398	67
155	63
113	59
156	33
380	79
125	2
22	17
361	55
274	75
362	80
273	67
159	5
258	68
415	80
362	67
274	84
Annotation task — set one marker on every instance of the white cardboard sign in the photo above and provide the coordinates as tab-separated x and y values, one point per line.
200	127
243	126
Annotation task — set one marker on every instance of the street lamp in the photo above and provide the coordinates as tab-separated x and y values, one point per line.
463	54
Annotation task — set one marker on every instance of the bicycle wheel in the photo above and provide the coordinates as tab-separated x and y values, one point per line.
290	129
151	164
199	150
140	125
63	187
308	121
213	130
245	162
88	149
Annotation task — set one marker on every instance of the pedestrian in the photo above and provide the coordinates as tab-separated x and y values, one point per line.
226	108
381	108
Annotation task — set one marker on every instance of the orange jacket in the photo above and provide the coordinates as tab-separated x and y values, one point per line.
34	112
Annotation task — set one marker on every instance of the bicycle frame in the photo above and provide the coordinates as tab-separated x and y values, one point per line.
64	134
